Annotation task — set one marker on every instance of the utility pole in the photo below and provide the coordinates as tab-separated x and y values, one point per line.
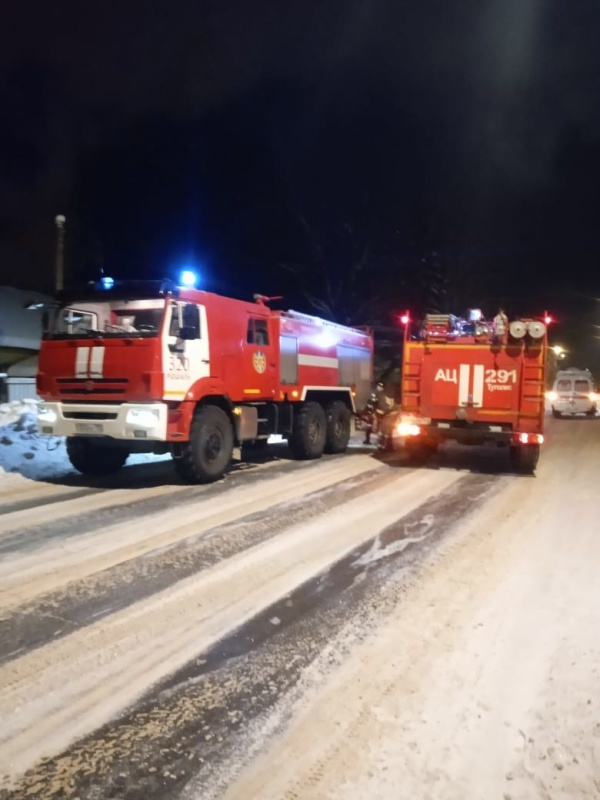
59	267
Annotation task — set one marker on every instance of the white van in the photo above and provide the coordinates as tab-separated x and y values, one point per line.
574	392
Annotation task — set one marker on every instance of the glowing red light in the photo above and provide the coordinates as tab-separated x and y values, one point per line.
547	320
404	319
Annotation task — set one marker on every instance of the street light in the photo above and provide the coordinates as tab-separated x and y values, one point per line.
559	352
59	267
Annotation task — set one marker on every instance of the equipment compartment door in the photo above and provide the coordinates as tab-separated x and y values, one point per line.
469	378
355	370
288	354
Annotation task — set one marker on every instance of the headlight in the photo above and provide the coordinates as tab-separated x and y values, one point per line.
47	415
592	396
142	417
407	429
551	395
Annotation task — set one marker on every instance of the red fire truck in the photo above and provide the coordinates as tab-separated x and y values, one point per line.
153	367
473	381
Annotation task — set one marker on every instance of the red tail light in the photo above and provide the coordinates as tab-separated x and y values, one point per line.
529	438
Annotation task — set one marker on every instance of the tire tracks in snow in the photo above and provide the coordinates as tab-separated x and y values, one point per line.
218	704
86	601
72	686
24	526
28	574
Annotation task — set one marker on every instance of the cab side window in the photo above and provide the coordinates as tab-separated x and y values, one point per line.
258	331
175	321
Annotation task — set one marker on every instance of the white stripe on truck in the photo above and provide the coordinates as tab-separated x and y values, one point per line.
81	362
317	361
97	362
464	373
89	362
478	385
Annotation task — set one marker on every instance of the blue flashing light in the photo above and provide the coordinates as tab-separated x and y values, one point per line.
188	278
106	282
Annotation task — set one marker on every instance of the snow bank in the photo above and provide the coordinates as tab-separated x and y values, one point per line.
23	451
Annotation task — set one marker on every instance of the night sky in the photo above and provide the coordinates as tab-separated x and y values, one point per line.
358	157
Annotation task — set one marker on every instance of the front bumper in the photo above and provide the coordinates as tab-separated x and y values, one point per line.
125	421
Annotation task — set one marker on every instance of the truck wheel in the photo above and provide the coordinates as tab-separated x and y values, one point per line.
90	458
591	412
207	454
524	458
556	414
309	432
338	427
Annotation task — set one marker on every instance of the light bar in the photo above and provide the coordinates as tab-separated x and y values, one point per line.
188	278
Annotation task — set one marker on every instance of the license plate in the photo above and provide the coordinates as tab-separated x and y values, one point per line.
89	427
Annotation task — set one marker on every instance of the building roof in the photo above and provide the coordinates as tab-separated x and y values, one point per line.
20	329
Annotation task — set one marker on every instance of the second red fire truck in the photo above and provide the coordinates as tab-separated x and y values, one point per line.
473	381
152	367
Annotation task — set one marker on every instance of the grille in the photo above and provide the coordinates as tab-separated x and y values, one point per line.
88	415
81	381
94	390
87	386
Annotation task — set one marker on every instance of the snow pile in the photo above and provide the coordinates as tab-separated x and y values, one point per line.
24	451
12	412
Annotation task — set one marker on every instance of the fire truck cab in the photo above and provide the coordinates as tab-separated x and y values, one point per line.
473	381
152	367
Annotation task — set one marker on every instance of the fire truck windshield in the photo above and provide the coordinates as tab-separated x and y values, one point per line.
115	319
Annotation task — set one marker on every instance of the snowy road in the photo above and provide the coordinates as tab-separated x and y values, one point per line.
349	628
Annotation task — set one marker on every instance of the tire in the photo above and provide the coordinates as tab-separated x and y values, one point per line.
207	455
309	432
556	414
591	412
90	458
338	427
524	458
